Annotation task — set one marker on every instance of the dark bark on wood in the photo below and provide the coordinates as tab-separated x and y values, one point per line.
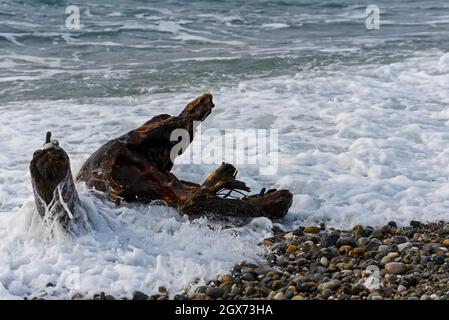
136	167
54	191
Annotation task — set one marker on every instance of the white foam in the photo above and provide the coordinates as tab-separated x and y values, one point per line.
128	249
274	25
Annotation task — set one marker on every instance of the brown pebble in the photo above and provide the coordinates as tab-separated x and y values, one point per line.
357	251
357	230
312	229
344	249
395	268
266	243
227	278
291	249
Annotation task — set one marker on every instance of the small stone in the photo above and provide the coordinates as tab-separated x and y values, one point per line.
439	260
410	280
385	260
78	296
307	246
392	224
332	285
344	249
324	262
362	241
393	255
373	244
401	288
386	229
357	289
446	228
227	278
277	284
391	278
288	235
428	247
225	285
266	243
345	266
346	273
326	293
358	230
446	242
395	268
399	239
347	241
202	296
377	234
403	246
137	295
425	297
291	249
330	241
432	226
358	251
379	256
249	291
289	293
331	268
388	291
424	260
415	224
312	229
298	297
215	292
247	277
201	289
279	296
439	250
235	290
162	289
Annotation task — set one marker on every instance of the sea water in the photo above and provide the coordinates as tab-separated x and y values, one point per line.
362	119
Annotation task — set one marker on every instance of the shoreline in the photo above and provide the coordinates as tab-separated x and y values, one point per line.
319	263
388	262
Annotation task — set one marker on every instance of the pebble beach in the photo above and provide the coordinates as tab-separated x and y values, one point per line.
320	263
315	262
360	125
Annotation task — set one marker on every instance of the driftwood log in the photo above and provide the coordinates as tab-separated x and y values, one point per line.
54	191
135	167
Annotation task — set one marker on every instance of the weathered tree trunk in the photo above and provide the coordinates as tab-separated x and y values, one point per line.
136	167
54	191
